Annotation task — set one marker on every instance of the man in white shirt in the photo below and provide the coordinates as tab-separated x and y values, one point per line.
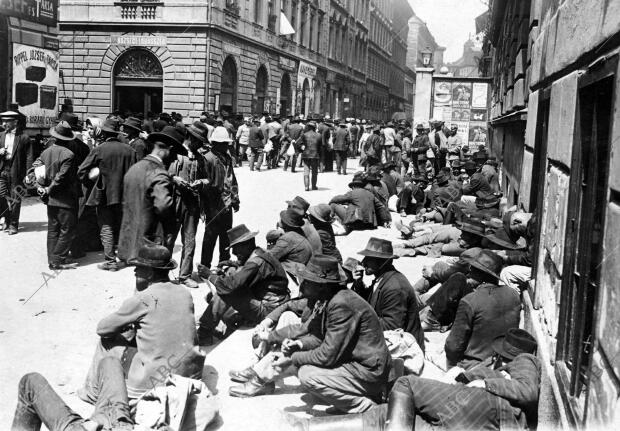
390	136
243	139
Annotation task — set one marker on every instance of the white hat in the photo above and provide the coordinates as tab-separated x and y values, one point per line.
220	134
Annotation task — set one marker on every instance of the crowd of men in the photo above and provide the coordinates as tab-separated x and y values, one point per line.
133	185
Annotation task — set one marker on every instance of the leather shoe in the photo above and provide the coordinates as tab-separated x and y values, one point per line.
12	230
252	388
60	266
242	376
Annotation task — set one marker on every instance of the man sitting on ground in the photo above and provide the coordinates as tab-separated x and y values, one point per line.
301	206
292	249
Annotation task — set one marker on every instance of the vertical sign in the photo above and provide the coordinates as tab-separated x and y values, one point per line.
35	84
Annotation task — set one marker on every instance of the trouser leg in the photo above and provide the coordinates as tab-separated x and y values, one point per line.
213	314
338	161
67	220
215	228
516	277
112	406
53	232
307	174
344	162
261	155
38	403
106	219
339	388
242	151
340	211
252	158
188	237
226	222
315	172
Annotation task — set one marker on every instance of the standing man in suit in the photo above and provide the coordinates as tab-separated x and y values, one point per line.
61	193
342	141
311	145
112	159
148	197
15	157
133	127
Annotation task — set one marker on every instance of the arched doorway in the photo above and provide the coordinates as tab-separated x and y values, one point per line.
285	95
261	90
228	96
138	83
305	98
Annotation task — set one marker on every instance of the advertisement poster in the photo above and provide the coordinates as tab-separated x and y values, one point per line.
479	95
40	11
464	104
35	84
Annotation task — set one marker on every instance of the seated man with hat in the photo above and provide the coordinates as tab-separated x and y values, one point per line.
292	249
348	363
481	316
440	195
484	207
412	197
160	317
390	294
254	286
301	206
477	185
321	217
392	179
501	393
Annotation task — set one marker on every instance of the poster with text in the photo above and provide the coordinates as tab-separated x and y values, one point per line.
478	115
477	135
443	93
459	114
461	95
463	131
479	95
35	84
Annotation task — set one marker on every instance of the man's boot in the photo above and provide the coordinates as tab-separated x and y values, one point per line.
252	388
400	412
242	376
371	420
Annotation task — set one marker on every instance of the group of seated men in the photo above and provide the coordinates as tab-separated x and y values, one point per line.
333	333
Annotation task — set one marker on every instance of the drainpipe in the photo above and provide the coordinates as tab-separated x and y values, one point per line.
208	60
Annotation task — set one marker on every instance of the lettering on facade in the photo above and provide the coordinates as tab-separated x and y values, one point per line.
139	40
307	70
287	64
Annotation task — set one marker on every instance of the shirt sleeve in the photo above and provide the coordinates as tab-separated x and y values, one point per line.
457	341
238	280
62	176
161	193
131	311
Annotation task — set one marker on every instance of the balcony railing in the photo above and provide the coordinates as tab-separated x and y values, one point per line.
138	9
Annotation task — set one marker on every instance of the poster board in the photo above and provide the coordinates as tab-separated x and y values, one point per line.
35	84
464	103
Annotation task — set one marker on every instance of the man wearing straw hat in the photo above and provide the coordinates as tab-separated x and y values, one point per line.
254	286
60	193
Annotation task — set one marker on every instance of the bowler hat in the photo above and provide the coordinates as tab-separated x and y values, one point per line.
488	262
133	123
299	203
379	248
169	136
291	218
239	234
220	134
62	131
9	115
111	125
154	256
323	269
358	180
501	238
474	226
321	212
515	342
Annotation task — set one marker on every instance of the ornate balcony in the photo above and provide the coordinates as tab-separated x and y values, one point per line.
132	10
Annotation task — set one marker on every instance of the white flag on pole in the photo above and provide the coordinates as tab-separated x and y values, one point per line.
285	25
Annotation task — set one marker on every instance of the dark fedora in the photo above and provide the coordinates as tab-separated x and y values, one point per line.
470	165
474	226
442	178
321	212
62	131
488	201
291	219
199	131
373	180
488	262
358	180
379	248
514	343
299	203
470	254
133	123
501	238
170	136
111	125
457	164
239	234
154	256
72	119
323	269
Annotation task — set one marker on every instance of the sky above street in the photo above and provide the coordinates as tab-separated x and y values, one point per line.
450	22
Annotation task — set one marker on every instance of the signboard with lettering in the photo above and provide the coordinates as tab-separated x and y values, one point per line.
463	103
35	84
128	40
287	64
40	11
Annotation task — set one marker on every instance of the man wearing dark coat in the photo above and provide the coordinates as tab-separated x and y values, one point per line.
311	145
390	294
15	158
110	161
148	200
372	148
132	127
359	208
60	193
342	142
293	250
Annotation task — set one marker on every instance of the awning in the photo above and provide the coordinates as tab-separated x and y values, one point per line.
510	118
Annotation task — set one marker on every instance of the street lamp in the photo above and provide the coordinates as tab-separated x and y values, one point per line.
427	57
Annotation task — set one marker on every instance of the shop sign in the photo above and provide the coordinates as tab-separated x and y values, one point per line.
307	70
35	84
127	40
50	43
287	64
40	11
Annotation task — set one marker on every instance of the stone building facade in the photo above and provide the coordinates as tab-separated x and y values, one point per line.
225	55
554	125
420	38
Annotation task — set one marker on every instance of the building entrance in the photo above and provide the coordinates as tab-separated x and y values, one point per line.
138	83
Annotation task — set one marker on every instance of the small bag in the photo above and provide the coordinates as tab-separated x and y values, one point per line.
330	142
430	153
290	151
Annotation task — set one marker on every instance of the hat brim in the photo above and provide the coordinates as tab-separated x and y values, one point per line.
137	262
304	274
318	217
242	238
162	137
482	268
378	255
501	242
59	136
498	347
108	130
196	135
132	127
356	183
